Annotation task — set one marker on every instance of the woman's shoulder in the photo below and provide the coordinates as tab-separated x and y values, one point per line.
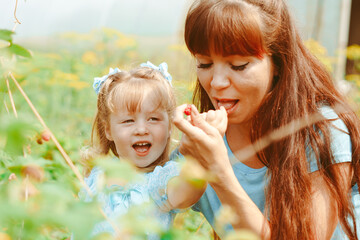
330	114
340	141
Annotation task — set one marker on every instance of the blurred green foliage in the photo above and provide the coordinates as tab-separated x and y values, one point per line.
40	202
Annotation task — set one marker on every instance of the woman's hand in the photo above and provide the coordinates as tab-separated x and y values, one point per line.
202	139
216	118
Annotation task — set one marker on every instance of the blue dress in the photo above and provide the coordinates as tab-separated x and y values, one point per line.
116	200
253	181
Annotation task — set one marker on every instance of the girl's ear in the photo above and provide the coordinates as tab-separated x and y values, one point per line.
108	133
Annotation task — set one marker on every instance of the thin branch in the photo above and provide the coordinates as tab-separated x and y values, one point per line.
17	20
11	98
279	134
200	225
6	107
62	151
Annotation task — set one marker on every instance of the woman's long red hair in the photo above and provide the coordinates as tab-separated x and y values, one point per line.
302	85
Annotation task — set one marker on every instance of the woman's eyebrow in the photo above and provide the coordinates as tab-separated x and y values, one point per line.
201	55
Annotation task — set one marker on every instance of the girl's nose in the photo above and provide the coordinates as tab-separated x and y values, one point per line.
141	129
219	79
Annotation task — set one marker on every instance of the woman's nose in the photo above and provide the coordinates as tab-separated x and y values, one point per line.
219	79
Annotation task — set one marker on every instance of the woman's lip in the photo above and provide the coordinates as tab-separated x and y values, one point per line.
229	105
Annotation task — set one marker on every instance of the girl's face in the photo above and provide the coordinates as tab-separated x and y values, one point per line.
140	137
236	82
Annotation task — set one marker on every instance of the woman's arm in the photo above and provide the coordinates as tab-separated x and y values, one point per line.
324	207
206	145
187	188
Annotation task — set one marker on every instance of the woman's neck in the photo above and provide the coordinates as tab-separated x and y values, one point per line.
238	138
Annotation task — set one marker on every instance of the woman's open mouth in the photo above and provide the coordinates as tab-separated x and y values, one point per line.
142	148
229	105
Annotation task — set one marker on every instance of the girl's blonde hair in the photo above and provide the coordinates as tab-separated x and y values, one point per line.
127	89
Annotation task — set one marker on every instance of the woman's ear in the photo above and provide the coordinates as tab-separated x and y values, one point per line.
108	133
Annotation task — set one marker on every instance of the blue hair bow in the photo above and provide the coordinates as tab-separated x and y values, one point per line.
98	81
162	68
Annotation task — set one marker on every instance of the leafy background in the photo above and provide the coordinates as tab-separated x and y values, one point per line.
41	203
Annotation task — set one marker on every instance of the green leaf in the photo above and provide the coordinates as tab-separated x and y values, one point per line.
16	132
19	50
6	35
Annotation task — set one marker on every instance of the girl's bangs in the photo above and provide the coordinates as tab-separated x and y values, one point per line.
232	29
134	92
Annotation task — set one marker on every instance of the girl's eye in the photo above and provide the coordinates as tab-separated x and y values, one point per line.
240	67
153	119
204	65
128	121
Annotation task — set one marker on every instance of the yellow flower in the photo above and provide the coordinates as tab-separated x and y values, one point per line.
125	42
320	52
353	77
315	47
353	52
179	47
100	46
89	58
53	56
4	236
73	36
110	32
131	54
61	78
79	85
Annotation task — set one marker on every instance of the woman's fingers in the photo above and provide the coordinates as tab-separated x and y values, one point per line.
200	122
223	120
184	125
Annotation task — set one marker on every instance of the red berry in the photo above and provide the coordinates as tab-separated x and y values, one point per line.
187	110
39	140
45	135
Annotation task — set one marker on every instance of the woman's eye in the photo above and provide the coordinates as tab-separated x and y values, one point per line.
204	65
240	67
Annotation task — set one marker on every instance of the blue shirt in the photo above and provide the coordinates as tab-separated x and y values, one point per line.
117	200
253	181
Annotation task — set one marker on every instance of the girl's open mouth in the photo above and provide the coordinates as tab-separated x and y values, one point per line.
142	148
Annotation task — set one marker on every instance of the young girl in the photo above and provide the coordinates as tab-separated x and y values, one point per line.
133	120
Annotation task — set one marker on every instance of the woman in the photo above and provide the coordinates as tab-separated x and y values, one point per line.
251	60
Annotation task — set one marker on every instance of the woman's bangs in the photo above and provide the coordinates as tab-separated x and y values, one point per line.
225	30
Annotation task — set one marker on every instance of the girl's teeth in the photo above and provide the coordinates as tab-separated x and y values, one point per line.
141	144
141	147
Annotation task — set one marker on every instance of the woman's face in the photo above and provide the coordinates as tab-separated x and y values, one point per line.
236	82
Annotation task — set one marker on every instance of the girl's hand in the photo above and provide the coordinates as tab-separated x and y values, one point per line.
201	140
